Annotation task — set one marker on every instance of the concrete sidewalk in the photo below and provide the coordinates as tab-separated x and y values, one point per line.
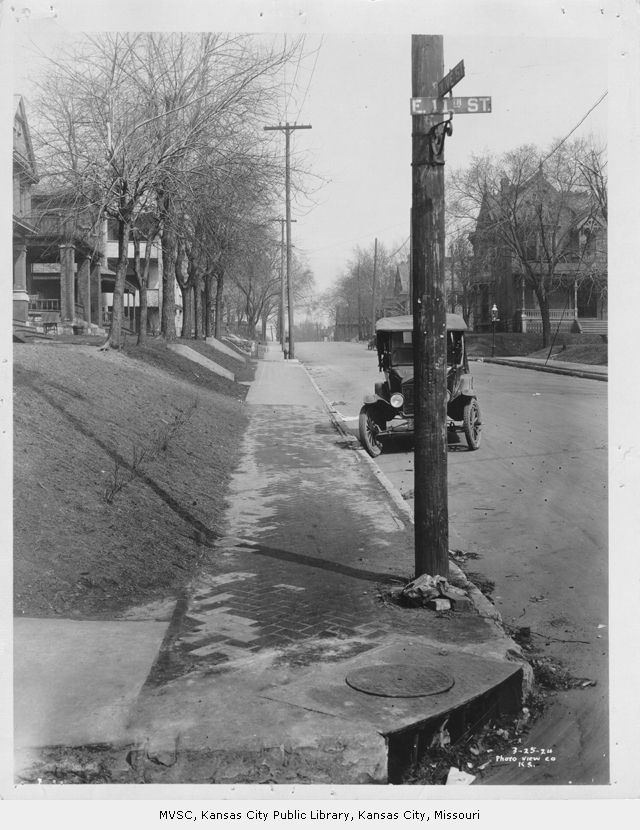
262	671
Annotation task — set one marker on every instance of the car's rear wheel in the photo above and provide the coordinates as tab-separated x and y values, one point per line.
472	424
369	429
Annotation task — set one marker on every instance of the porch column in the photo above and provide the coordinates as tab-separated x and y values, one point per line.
523	316
67	282
20	294
575	299
84	287
95	292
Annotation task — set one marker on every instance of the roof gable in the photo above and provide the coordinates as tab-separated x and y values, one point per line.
22	146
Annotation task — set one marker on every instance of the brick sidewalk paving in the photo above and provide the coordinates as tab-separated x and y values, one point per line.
313	547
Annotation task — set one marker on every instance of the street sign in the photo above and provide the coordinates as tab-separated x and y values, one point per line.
451	79
442	106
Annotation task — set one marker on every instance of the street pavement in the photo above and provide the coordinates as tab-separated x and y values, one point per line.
249	681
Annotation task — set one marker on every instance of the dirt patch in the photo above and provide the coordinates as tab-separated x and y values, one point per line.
121	463
472	754
484	585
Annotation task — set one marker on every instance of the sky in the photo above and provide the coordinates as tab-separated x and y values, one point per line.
358	106
354	85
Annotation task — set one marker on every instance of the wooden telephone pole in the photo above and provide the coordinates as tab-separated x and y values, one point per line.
282	283
430	108
288	129
373	289
429	314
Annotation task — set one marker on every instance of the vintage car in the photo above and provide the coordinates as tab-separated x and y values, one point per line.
389	410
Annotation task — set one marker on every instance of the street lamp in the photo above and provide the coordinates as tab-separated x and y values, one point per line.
494	320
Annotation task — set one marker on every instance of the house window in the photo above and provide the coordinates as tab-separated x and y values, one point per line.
588	240
573	244
531	249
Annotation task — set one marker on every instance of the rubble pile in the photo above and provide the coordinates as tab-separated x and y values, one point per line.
435	592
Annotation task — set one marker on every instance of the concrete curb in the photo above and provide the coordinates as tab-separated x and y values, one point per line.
485	608
541	367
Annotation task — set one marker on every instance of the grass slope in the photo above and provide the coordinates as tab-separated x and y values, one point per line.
573	348
92	536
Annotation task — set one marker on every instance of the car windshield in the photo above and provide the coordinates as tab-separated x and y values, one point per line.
402	356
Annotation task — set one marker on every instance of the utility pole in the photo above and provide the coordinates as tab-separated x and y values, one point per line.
429	314
373	289
282	300
288	129
359	305
453	279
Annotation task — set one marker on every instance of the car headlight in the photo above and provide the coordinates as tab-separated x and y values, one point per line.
396	400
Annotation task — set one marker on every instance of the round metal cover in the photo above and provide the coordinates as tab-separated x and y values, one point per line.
400	680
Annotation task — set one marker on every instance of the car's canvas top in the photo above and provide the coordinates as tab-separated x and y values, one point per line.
455	322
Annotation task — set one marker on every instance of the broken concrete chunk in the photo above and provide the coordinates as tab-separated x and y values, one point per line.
420	589
429	591
458	603
452	590
439	604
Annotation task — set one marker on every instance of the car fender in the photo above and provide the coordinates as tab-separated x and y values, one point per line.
466	386
369	399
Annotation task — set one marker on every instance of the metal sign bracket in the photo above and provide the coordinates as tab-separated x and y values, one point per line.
435	142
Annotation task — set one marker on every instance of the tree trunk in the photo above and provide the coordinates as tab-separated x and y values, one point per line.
543	303
144	282
139	278
208	305
219	290
115	339
183	277
187	310
168	320
197	303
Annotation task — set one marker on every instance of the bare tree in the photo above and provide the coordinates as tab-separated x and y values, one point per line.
127	117
355	291
95	147
526	207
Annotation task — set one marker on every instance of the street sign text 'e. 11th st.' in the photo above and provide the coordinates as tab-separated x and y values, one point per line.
442	106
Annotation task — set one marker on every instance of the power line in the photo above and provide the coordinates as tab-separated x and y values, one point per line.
293	83
355	239
584	118
311	76
401	247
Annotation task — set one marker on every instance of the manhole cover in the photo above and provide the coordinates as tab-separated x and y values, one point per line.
400	681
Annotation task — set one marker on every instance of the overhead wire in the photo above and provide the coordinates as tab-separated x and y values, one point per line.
358	239
571	132
295	76
310	77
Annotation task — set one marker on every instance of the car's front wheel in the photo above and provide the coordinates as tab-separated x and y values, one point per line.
369	430
472	424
